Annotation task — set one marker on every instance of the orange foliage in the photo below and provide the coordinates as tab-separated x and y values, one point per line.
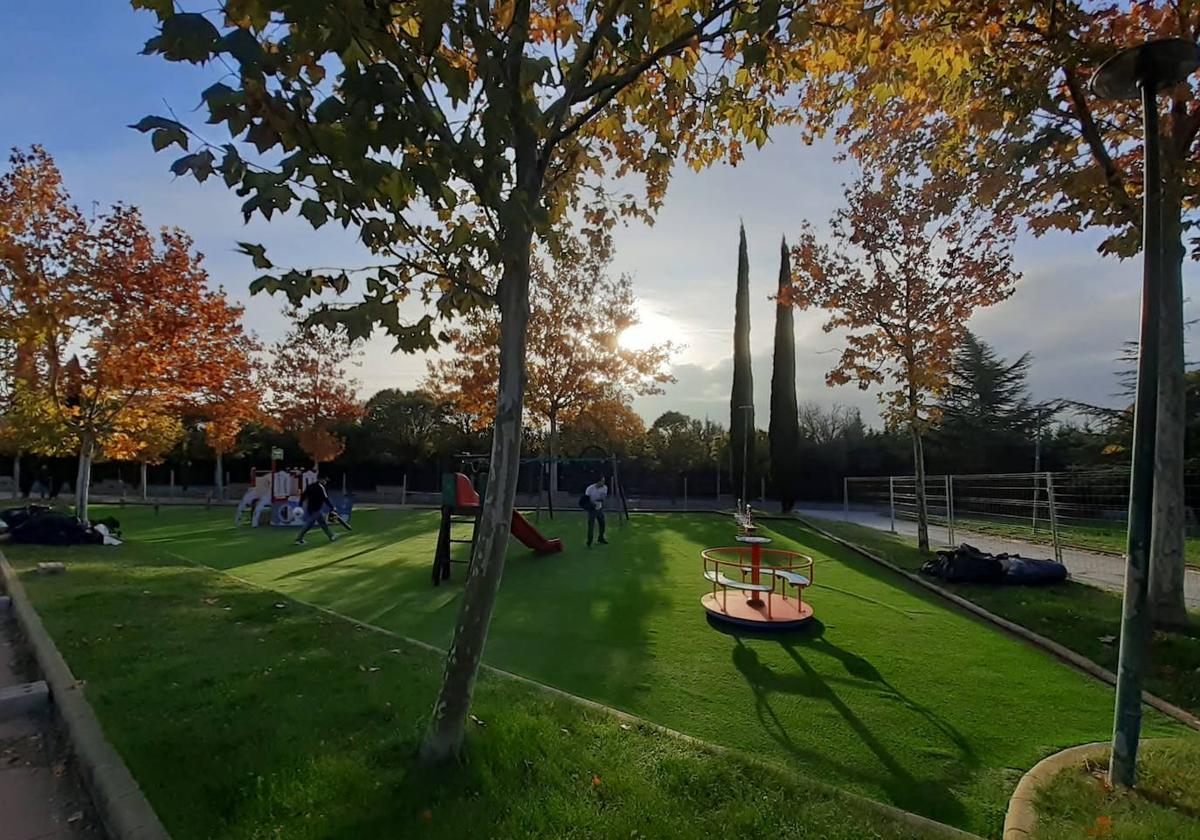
911	263
310	392
118	328
573	360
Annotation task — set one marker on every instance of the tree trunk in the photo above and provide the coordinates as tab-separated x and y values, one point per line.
83	478
1167	561
218	482
553	454
443	739
919	471
16	493
145	471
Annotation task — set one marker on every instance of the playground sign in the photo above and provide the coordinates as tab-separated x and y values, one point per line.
276	453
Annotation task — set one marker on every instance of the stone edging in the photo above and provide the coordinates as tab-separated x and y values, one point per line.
1050	646
123	808
1021	819
931	827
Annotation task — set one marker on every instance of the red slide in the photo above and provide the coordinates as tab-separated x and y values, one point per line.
532	537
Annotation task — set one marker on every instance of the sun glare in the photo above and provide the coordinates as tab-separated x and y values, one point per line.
652	328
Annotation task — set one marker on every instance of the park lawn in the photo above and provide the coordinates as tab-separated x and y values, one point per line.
893	694
1105	538
1077	804
245	716
1082	618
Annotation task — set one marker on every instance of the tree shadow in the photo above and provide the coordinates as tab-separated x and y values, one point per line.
926	796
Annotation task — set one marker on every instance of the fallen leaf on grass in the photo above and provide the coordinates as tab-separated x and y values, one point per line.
76	817
427	815
1107	640
626	727
476	720
280	606
209	601
595	781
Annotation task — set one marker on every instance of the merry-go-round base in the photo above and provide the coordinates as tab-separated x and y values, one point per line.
787	614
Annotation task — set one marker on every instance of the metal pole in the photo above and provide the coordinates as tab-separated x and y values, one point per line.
404	491
762	489
950	509
1037	462
1053	517
892	499
846	498
1127	718
745	452
685	495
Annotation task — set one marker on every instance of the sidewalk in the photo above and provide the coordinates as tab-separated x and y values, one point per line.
40	796
1104	571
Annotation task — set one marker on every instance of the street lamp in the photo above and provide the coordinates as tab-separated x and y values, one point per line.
1140	73
746	432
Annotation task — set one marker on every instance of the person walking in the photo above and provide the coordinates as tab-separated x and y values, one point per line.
595	495
314	498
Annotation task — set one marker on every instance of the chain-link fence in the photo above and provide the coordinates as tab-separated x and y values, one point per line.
1079	510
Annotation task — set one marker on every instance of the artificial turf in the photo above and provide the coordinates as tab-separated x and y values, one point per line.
890	693
245	716
1083	618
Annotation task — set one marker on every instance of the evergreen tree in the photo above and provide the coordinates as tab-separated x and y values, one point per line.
784	431
741	421
986	418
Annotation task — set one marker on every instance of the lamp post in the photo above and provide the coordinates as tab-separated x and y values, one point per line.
746	432
1140	73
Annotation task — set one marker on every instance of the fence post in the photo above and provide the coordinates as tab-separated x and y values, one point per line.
1036	494
1053	516
762	490
172	482
950	509
404	491
685	496
846	498
892	500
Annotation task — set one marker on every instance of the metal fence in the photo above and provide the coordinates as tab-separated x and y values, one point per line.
1077	509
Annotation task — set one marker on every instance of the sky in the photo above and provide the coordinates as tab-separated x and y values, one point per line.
72	80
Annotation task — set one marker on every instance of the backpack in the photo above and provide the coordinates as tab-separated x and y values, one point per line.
584	502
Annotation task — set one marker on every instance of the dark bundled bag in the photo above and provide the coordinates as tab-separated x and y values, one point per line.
584	502
38	525
965	564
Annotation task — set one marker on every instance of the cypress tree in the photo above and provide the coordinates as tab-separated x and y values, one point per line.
741	422
784	430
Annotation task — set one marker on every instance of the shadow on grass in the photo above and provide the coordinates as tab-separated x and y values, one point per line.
925	796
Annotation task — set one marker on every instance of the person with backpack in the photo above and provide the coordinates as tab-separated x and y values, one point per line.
315	498
592	501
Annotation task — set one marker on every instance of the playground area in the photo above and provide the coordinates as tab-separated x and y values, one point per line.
885	691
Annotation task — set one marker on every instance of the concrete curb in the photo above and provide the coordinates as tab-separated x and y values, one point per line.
1021	818
1050	646
122	806
929	827
19	699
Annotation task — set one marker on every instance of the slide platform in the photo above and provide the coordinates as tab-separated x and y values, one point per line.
523	530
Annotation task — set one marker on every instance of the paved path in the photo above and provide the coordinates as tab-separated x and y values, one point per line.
1105	571
40	798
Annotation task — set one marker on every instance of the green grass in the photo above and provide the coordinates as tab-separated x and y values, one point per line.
246	716
1082	618
891	694
1108	538
1165	804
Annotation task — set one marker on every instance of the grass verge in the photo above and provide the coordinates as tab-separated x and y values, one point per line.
1083	618
246	716
1165	804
